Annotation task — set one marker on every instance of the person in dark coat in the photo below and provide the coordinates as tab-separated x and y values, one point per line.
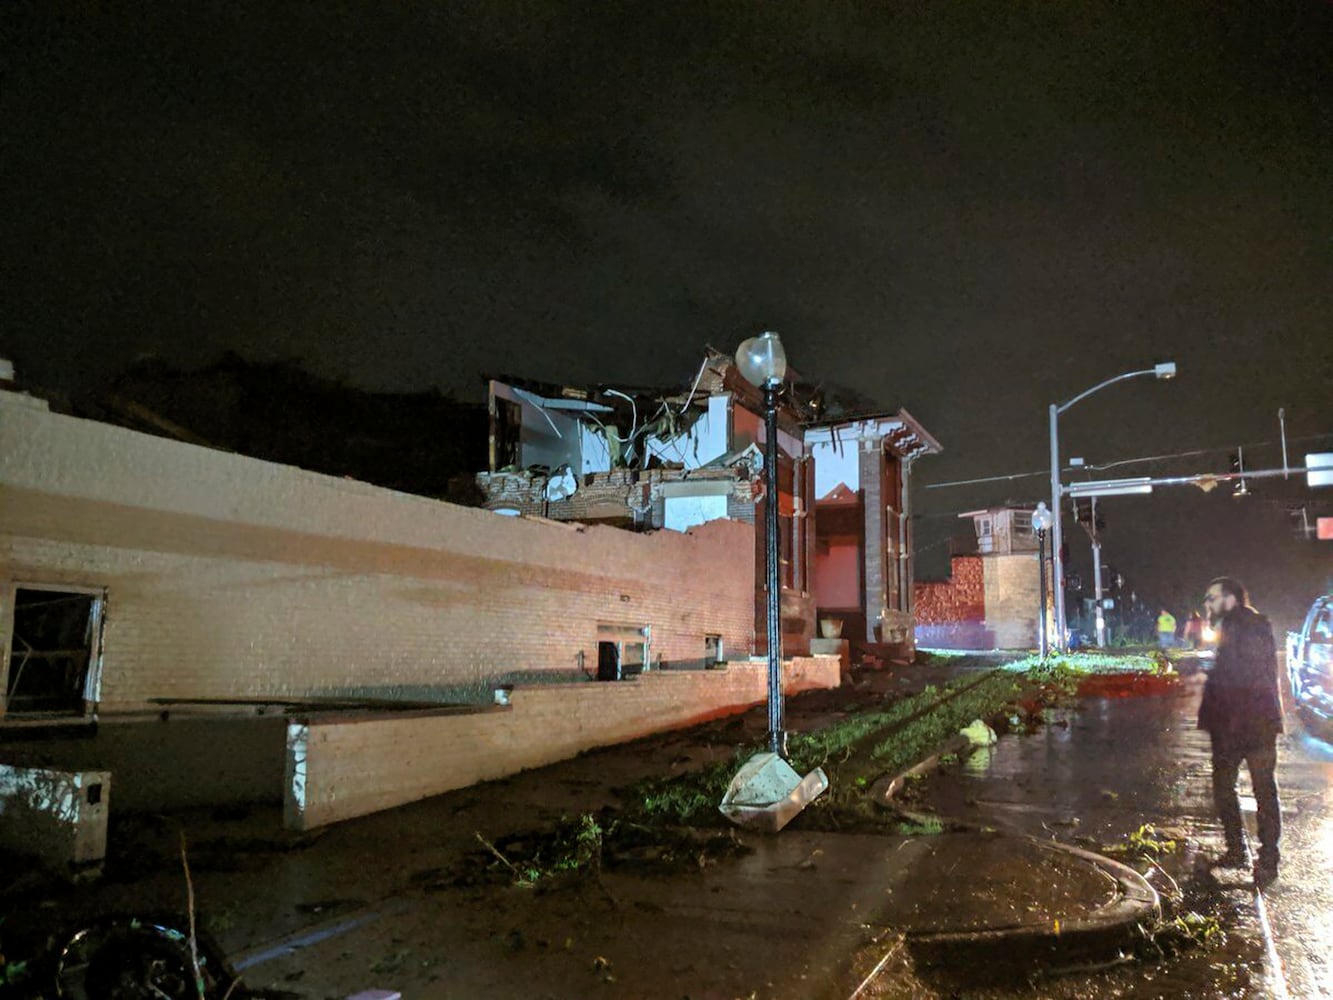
1242	712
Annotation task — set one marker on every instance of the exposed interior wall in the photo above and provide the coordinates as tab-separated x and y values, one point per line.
705	440
838	574
684	512
339	768
230	577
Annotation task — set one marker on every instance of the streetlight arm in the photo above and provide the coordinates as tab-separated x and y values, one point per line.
1102	385
1165	369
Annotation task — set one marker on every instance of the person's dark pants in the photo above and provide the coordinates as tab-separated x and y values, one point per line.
1262	762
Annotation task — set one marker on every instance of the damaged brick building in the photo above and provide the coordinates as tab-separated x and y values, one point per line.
648	459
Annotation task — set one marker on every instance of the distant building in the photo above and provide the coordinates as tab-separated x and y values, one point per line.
992	599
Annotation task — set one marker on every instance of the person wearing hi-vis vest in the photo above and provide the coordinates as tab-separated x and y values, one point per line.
1166	629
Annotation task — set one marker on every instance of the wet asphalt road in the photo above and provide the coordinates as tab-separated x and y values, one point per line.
1093	776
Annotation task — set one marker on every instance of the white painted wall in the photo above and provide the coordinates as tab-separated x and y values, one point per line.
595	456
683	513
706	440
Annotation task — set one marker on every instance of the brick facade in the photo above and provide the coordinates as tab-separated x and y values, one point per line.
952	613
256	585
960	598
339	768
228	577
988	602
1013	599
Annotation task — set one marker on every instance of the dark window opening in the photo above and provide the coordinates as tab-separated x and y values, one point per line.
54	638
622	651
608	661
712	650
507	431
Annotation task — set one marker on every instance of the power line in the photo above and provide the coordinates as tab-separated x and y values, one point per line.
1125	461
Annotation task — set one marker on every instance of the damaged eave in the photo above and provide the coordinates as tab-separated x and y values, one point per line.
923	442
901	433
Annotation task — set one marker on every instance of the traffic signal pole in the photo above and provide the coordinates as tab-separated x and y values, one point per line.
1057	539
1097	579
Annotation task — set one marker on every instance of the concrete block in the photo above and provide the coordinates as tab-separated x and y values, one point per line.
59	816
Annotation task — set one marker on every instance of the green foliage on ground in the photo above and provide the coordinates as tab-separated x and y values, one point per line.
1183	932
1203	930
919	737
575	845
1085	663
926	826
1146	842
835	743
687	798
856	750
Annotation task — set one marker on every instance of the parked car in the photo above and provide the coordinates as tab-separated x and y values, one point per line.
1310	661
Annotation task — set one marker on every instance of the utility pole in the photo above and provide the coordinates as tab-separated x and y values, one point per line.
1097	577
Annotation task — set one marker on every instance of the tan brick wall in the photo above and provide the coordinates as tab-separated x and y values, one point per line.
230	577
1012	599
339	769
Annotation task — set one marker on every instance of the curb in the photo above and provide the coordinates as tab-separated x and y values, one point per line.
1101	937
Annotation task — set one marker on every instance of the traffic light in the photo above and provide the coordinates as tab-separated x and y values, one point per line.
1239	489
1086	512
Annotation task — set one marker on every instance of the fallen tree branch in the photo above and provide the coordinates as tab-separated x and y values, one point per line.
496	851
189	906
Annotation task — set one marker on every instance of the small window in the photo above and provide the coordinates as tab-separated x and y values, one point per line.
712	650
622	651
983	527
53	650
1022	522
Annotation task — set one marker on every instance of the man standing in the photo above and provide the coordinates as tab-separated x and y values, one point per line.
1166	629
1242	712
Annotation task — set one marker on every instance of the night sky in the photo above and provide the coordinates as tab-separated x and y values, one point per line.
966	209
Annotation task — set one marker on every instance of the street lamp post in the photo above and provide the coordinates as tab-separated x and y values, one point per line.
1165	370
763	363
1098	612
1041	520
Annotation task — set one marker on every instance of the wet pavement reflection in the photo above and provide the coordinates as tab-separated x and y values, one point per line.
1093	776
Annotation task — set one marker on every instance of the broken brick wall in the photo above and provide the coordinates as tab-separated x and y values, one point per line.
952	613
228	577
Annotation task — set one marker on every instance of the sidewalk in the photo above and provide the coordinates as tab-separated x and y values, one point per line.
401	900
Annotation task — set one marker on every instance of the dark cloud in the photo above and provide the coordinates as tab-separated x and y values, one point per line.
971	210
